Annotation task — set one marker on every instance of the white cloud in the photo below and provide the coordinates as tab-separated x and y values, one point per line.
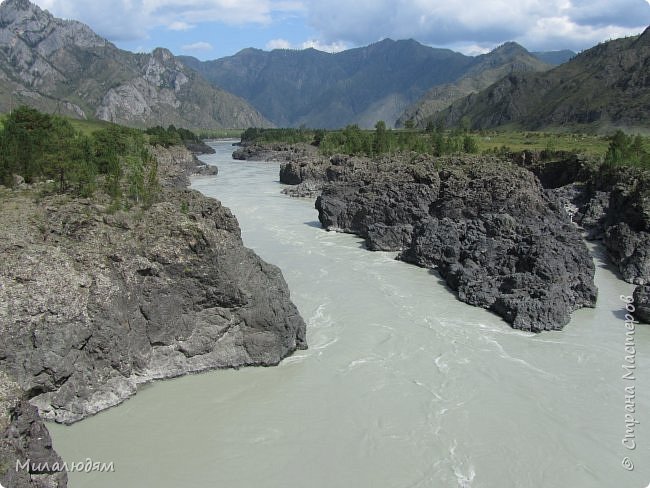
471	49
278	44
333	47
484	22
198	46
536	24
180	26
284	44
137	17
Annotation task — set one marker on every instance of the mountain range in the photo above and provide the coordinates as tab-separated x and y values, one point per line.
62	66
488	68
602	88
358	86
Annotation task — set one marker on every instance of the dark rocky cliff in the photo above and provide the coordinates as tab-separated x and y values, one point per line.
609	204
25	439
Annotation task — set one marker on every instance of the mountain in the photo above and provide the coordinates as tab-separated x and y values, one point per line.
318	89
487	69
62	66
605	87
554	58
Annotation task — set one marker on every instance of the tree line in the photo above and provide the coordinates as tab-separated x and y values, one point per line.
171	136
115	160
383	140
41	147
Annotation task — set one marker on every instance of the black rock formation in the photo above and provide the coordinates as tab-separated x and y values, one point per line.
642	303
498	239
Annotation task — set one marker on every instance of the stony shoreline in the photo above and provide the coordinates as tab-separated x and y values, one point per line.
94	303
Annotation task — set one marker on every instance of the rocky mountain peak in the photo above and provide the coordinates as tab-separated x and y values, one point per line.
165	71
509	49
62	65
644	38
163	55
25	26
20	12
18	5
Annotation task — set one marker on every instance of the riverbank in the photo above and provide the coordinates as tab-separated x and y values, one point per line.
97	301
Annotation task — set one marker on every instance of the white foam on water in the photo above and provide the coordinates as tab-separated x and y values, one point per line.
503	354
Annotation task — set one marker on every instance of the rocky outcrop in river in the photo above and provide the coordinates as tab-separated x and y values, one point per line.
607	203
273	151
95	302
489	228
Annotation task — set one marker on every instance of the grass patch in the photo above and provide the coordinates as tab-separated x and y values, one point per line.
589	144
88	127
219	133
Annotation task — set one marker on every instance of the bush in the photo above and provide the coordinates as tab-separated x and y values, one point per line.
627	150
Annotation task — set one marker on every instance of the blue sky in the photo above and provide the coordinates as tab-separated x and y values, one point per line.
210	29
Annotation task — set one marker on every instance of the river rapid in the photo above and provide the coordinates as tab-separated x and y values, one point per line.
402	386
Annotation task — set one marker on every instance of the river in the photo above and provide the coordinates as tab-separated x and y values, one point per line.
402	385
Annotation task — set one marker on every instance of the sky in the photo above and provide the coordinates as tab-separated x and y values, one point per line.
210	29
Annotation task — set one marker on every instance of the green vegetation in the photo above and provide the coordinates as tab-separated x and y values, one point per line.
47	148
514	141
353	140
171	136
627	150
88	127
289	136
618	149
220	133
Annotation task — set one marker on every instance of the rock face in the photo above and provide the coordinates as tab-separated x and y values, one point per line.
62	66
498	239
93	303
642	303
24	438
618	207
612	204
176	164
